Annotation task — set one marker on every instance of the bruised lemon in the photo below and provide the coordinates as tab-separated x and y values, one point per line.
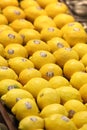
3	61
31	122
28	108
47	96
3	19
14	95
49	70
27	74
13	50
36	83
8	84
35	45
41	57
20	63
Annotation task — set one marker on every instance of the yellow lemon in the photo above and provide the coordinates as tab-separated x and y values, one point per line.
67	93
58	81
63	19
5	27
29	34
14	95
72	66
2	51
19	24
6	72
3	19
49	70
13	12
84	59
56	8
80	118
5	3
47	96
80	48
35	45
3	61
48	33
59	122
53	109
8	84
10	36
64	54
56	43
13	50
27	74
31	122
36	84
28	108
72	106
84	127
33	12
43	21
41	57
20	63
76	79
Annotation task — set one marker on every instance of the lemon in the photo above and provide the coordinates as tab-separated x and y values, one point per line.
53	109
33	12
72	106
63	19
28	108
8	84
31	122
4	27
80	48
25	4
14	95
76	79
47	96
29	34
10	36
20	63
56	8
43	21
19	24
3	19
84	127
58	81
35	45
43	3
80	118
36	84
59	122
2	51
42	57
13	50
67	93
6	72
49	70
27	74
56	43
72	66
84	59
48	33
13	12
3	61
64	54
5	3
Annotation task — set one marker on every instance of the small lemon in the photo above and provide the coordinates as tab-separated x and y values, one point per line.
27	74
2	51
13	50
3	19
53	109
41	57
35	45
8	84
5	27
14	95
32	123
20	63
36	84
58	81
47	96
76	79
49	70
28	108
56	43
3	61
84	59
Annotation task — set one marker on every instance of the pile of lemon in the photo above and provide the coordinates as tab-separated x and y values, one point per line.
43	65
